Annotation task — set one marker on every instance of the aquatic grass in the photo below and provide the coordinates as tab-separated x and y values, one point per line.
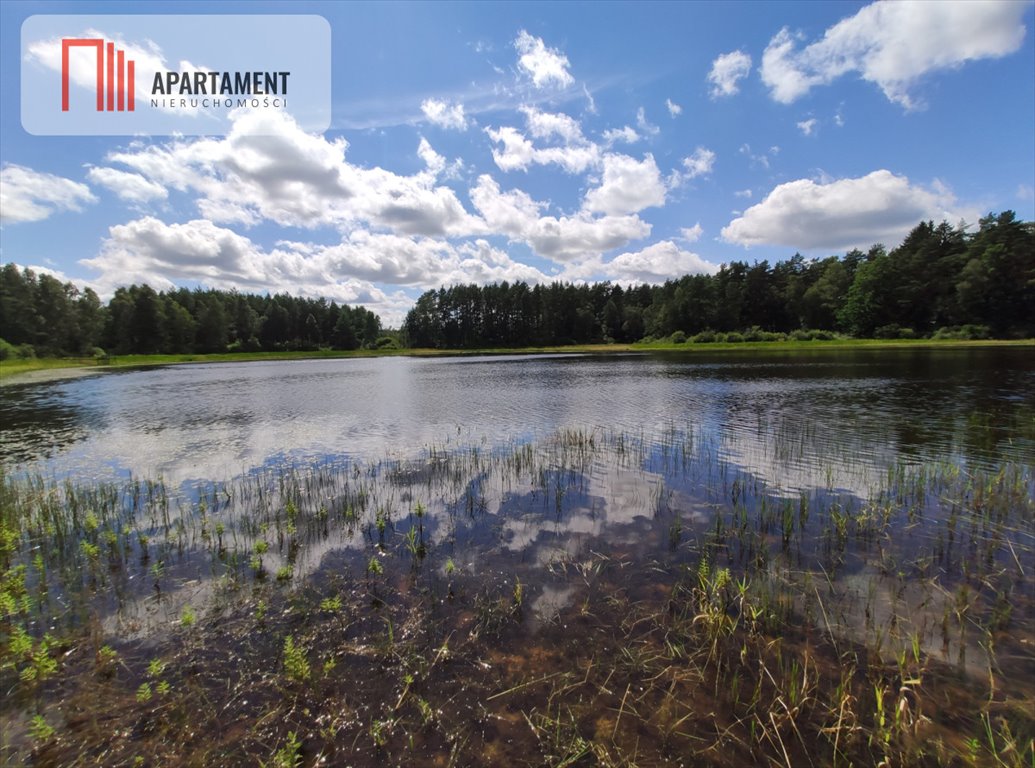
814	623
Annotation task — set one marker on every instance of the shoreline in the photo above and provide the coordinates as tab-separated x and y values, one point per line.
51	369
49	375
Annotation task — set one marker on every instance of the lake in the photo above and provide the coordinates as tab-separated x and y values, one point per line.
858	525
208	422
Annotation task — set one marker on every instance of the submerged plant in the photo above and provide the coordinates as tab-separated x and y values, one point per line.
296	665
289	755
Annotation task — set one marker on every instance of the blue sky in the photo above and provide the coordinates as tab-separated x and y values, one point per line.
477	142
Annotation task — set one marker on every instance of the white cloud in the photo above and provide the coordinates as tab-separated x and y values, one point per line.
1025	192
878	207
517	153
700	163
267	168
162	255
28	195
545	125
727	71
576	237
894	44
760	159
574	153
511	213
692	234
444	115
418	262
645	125
628	186
673	108
657	263
591	104
624	134
808	126
745	193
561	239
131	187
572	159
435	162
546	66
148	250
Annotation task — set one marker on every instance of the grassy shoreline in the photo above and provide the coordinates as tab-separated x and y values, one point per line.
11	370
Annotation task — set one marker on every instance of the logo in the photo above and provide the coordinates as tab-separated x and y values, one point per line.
120	92
185	75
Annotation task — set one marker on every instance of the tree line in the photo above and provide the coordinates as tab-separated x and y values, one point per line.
40	315
941	281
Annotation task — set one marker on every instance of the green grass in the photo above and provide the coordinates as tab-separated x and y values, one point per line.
10	368
14	367
665	345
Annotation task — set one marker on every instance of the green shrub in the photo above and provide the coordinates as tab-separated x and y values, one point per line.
679	337
963	333
386	342
894	331
7	350
707	336
734	338
757	334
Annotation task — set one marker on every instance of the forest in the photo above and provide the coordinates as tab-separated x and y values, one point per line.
40	316
942	281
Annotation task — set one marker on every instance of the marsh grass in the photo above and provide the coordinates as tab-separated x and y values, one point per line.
595	597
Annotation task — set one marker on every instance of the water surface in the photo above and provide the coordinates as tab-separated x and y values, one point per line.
213	421
856	521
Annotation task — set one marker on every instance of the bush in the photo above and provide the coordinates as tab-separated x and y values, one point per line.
967	332
734	338
7	350
706	336
386	342
679	337
26	352
894	331
757	334
823	335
